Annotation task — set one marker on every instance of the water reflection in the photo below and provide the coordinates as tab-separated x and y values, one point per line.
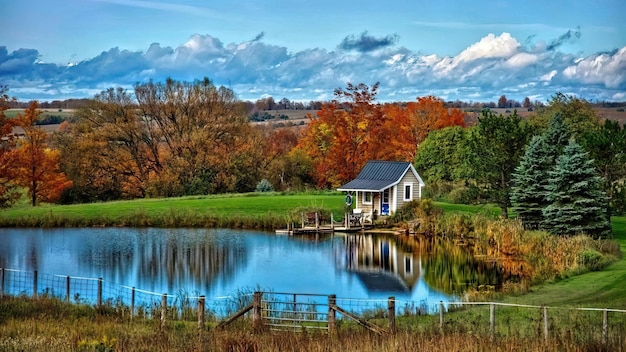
381	264
219	262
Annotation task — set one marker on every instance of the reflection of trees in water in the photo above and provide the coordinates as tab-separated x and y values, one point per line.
445	266
451	268
175	259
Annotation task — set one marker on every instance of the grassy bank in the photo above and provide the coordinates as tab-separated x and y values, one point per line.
252	210
605	288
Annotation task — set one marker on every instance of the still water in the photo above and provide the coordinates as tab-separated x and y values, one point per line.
220	262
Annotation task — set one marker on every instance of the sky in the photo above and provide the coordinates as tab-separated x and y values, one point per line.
302	50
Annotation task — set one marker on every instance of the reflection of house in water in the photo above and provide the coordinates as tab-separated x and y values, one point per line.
381	265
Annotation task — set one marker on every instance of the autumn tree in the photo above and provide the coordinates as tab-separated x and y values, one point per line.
345	134
169	138
36	166
204	136
406	127
502	101
577	113
8	192
109	151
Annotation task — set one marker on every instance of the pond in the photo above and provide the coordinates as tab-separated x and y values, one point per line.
222	262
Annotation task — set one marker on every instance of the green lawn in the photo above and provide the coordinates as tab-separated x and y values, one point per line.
246	208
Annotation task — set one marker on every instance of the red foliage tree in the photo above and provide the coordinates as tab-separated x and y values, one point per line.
35	166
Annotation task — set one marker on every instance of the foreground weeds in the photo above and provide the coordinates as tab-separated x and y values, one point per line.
50	325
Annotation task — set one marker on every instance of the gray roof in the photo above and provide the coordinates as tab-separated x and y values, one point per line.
377	175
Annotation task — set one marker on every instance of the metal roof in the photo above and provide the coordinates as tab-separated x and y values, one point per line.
378	175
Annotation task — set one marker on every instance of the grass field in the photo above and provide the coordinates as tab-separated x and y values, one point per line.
64	113
251	210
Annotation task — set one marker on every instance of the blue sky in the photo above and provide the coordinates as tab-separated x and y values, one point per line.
303	50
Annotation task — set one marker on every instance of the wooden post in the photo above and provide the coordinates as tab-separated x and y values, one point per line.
441	314
332	221
317	220
201	313
163	309
605	327
99	300
132	302
256	309
67	289
35	284
1	282
302	218
492	320
391	313
545	323
332	301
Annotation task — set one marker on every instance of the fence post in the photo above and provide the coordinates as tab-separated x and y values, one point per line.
1	282
99	292
391	312
492	320
35	284
163	309
256	309
545	323
605	326
132	303
201	313
67	288
441	315
332	301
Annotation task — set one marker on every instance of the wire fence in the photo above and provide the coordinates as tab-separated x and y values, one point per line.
297	311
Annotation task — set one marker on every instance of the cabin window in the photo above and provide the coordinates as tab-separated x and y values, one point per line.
367	197
408	191
408	265
386	196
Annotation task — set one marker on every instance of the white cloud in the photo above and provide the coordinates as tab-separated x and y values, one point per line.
521	60
494	65
606	69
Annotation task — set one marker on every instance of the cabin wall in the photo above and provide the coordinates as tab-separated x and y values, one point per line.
415	190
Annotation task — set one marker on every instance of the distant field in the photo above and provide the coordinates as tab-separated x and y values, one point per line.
64	113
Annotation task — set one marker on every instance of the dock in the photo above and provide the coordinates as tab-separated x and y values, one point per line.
312	223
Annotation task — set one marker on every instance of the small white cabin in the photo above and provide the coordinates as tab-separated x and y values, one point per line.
384	186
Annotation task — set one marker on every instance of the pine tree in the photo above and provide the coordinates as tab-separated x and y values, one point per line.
528	193
577	202
530	181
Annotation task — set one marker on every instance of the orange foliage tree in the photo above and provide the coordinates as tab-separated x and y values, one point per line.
352	129
7	187
35	166
408	126
345	134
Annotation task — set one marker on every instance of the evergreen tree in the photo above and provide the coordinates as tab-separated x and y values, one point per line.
530	180
577	202
528	193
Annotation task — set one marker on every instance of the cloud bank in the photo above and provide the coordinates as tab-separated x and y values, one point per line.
486	69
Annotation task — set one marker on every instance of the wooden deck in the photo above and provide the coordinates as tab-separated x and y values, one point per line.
321	229
311	225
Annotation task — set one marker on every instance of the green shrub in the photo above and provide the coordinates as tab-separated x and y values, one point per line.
590	258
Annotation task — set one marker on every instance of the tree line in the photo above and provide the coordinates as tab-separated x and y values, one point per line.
178	138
